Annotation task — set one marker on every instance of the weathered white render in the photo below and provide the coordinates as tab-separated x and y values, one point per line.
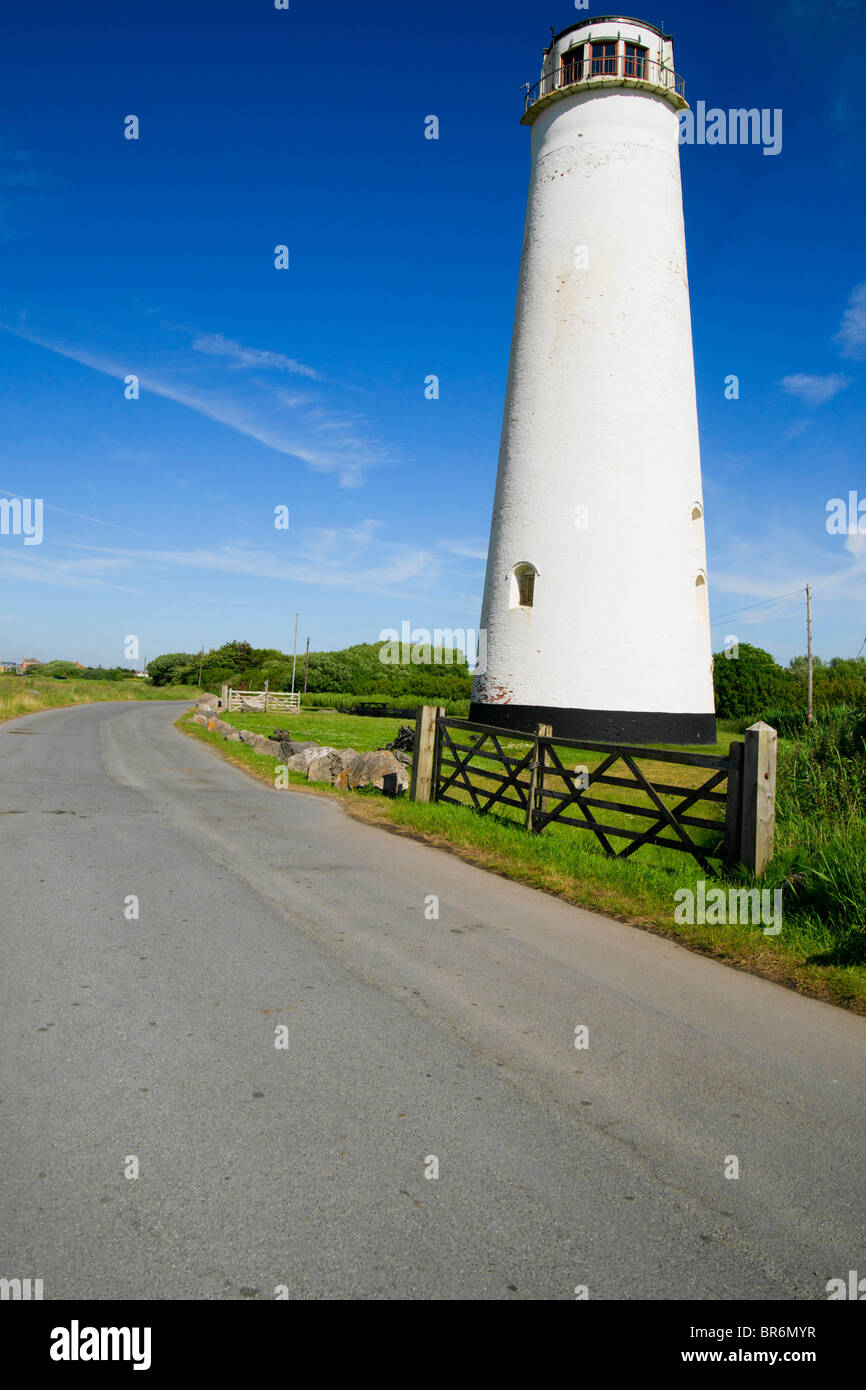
599	483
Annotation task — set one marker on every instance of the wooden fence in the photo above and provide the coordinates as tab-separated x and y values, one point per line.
260	701
733	806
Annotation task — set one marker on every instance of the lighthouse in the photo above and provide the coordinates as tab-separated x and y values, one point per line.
595	600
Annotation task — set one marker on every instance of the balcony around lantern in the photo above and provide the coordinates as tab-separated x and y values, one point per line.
614	70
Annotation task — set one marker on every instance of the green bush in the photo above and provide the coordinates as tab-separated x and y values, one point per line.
165	670
750	682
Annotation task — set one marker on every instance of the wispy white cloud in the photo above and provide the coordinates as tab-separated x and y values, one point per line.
81	573
852	334
799	427
217	346
268	415
782	564
470	549
81	516
341	562
815	390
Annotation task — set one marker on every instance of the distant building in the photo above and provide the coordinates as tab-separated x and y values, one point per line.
30	661
8	666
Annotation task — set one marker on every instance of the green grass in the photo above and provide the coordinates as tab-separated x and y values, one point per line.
29	694
820	862
324	727
456	707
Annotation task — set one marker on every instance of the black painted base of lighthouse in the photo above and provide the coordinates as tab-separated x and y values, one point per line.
600	725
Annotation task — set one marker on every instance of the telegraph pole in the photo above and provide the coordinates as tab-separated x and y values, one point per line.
200	664
306	665
295	653
809	648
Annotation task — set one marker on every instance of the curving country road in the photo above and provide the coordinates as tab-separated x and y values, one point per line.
408	1039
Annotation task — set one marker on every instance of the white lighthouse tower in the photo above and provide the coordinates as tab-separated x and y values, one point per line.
595	601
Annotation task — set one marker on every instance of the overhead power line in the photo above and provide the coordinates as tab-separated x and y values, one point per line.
764	603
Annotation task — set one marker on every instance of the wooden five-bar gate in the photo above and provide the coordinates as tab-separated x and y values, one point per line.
733	805
286	701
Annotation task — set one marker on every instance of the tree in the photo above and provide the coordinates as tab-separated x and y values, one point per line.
751	683
165	670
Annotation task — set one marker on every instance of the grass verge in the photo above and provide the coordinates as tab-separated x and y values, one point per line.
30	694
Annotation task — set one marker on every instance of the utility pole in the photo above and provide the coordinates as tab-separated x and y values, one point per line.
809	648
200	664
306	665
295	654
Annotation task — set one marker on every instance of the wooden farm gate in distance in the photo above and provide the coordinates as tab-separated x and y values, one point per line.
260	700
739	788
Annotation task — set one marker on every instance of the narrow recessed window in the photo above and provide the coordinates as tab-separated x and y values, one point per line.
522	586
572	65
697	511
635	61
604	58
702	602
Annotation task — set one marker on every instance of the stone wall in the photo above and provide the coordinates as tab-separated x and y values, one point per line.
339	767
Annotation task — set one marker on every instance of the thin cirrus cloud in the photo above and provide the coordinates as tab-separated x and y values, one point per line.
76	573
396	565
815	390
254	409
215	345
852	334
468	549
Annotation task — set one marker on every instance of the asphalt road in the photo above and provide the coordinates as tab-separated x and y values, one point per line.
408	1039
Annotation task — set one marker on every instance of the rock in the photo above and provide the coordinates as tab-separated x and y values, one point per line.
299	762
324	767
403	757
233	737
261	744
199	719
289	746
287	736
371	769
223	728
247	736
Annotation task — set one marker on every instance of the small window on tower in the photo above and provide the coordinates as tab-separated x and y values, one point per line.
697	511
702	598
522	587
635	61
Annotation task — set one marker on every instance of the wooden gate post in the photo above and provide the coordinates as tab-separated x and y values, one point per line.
758	824
267	683
224	698
734	804
421	787
536	779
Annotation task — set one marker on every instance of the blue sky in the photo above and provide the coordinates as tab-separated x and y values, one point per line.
305	387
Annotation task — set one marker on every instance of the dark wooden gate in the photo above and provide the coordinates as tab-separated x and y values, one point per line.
539	784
